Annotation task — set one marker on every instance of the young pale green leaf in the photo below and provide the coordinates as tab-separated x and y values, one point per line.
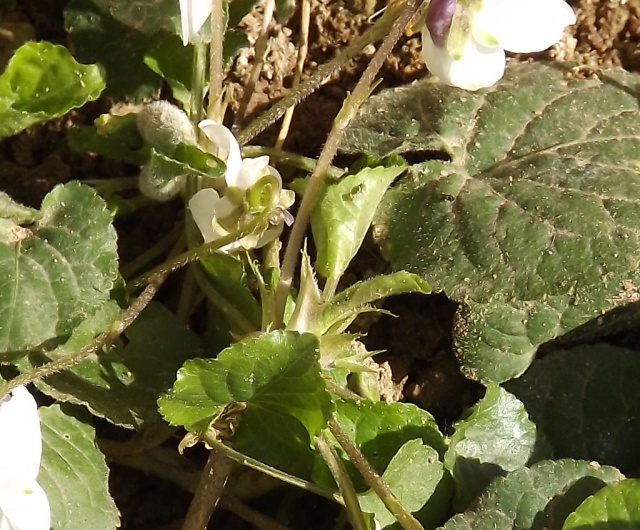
379	429
58	271
496	437
346	305
43	81
343	215
276	376
413	475
123	384
534	219
616	506
73	473
96	36
536	498
584	399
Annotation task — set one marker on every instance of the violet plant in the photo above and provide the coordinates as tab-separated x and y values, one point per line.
527	216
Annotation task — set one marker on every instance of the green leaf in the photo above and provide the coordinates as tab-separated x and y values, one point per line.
173	62
535	498
616	506
43	81
532	218
74	474
585	400
496	437
380	429
10	209
58	271
413	475
95	36
348	303
123	384
343	215
276	376
147	16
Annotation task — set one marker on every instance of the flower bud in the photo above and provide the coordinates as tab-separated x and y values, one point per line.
438	20
164	126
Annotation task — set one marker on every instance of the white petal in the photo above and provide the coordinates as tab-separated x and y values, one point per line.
205	206
20	510
193	15
524	26
478	67
251	171
228	149
20	439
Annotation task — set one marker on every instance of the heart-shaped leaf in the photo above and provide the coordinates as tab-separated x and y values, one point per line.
58	271
586	401
536	498
533	221
43	81
74	474
276	377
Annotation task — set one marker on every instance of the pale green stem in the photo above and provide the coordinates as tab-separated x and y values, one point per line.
196	112
359	94
117	328
216	65
226	306
373	480
340	475
291	159
142	260
196	253
324	72
217	445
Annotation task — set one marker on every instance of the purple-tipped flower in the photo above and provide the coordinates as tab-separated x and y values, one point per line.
463	41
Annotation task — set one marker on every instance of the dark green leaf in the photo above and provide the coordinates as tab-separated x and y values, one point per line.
58	271
614	507
123	384
43	81
74	474
535	498
95	36
587	402
147	16
174	63
534	222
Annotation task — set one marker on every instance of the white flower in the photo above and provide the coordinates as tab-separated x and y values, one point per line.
218	216
193	15
463	42
23	503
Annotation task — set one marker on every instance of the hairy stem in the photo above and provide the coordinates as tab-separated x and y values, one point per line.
117	328
406	520
258	61
340	475
324	72
303	47
216	65
359	94
217	445
210	487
